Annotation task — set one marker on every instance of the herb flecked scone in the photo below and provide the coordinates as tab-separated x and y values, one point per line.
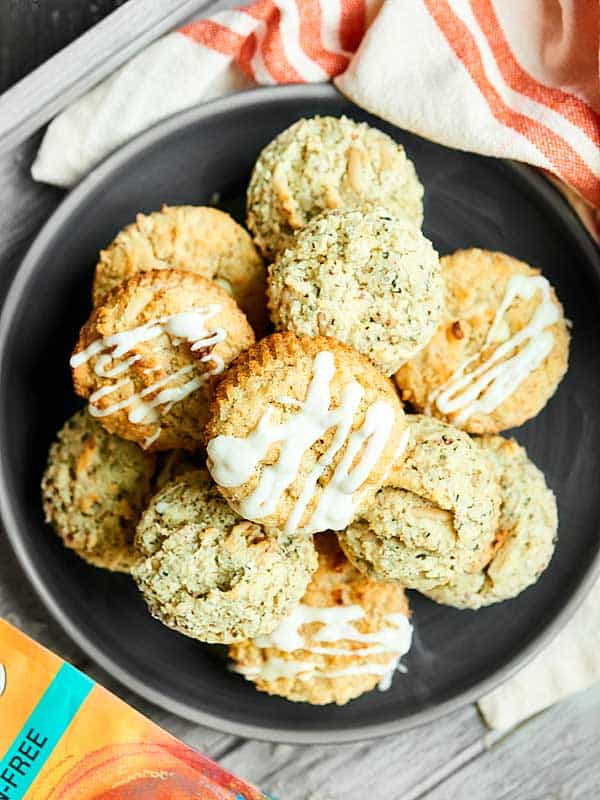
94	489
346	637
210	575
191	238
148	357
500	351
526	533
324	163
363	276
437	515
302	431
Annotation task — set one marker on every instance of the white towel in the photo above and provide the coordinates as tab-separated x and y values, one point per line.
571	662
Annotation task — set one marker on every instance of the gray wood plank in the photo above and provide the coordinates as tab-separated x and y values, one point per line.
44	92
24	207
31	32
554	756
395	766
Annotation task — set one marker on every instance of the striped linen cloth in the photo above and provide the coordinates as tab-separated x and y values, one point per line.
508	78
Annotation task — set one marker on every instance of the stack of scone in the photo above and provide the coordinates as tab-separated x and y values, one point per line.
278	492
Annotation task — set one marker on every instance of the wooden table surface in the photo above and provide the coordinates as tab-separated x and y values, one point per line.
554	756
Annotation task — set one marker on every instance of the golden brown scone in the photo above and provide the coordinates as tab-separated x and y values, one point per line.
191	238
526	531
148	357
346	637
301	431
94	489
437	515
511	380
323	163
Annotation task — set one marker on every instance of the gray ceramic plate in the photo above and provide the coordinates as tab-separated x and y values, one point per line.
470	200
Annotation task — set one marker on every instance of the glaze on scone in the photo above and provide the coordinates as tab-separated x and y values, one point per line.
148	357
500	351
526	531
211	575
437	514
324	163
94	489
191	238
301	432
345	638
364	277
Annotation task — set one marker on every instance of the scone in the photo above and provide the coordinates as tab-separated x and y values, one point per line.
526	531
363	276
436	516
500	351
324	163
346	637
301	432
210	575
148	357
94	489
191	238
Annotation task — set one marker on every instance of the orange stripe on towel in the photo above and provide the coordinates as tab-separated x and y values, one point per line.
311	19
215	36
565	161
353	23
572	108
271	48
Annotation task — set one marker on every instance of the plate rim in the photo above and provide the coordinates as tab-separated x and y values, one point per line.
270	733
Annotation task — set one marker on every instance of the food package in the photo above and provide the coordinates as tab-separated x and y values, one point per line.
64	737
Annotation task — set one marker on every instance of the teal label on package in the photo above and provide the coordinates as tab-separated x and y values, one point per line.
40	734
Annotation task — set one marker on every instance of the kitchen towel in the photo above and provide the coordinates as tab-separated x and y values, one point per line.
508	78
263	43
570	663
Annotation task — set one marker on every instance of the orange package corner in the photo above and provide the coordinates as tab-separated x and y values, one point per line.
104	749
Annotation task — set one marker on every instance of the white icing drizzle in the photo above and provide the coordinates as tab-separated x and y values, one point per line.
395	638
232	460
224	284
336	626
404	440
151	438
400	450
487	386
275	668
189	326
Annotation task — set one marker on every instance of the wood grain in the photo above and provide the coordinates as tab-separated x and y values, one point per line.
31	32
48	89
554	756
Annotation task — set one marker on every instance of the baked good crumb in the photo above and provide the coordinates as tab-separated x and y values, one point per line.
211	575
94	489
345	638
